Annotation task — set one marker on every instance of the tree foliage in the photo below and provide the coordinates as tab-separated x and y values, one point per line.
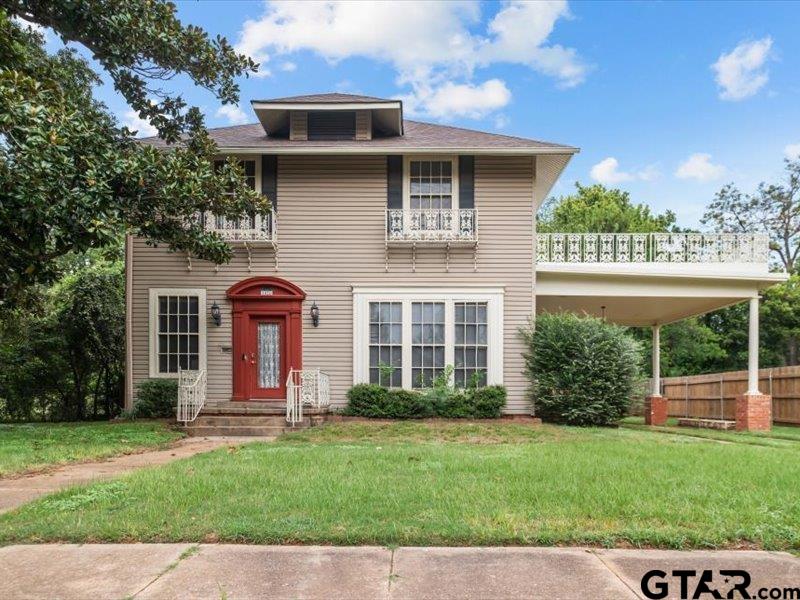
774	209
71	178
595	208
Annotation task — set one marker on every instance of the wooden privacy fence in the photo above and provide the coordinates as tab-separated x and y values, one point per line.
713	396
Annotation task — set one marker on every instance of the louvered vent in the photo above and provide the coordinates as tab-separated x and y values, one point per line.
332	125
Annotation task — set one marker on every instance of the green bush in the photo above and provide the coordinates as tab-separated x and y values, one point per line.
582	370
157	398
441	400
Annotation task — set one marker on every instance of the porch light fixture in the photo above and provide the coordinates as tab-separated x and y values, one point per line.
216	314
314	314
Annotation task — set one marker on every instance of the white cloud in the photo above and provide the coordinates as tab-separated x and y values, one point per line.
143	128
288	66
450	99
607	172
741	72
501	121
234	114
792	151
699	166
435	47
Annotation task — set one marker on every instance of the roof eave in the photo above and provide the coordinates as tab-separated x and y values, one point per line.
399	150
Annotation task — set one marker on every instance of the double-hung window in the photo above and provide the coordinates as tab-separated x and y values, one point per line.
408	338
431	191
250	169
177	331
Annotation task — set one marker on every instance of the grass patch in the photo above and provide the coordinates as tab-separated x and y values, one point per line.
37	446
781	435
448	484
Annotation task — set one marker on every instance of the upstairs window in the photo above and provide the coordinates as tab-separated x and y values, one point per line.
431	184
331	125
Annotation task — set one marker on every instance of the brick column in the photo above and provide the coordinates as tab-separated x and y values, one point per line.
753	412
655	410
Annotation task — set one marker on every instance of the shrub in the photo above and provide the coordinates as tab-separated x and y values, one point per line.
582	370
156	398
440	400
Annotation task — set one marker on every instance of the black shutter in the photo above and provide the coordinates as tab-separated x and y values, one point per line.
466	182
394	181
269	178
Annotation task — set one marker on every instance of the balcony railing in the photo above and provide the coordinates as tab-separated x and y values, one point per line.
652	248
254	228
432	225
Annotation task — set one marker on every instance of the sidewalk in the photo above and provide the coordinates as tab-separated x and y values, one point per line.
231	571
15	491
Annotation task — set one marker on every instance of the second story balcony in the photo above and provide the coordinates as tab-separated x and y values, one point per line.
253	229
652	252
432	226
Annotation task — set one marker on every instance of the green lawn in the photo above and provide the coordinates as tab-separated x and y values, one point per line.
445	483
780	435
35	446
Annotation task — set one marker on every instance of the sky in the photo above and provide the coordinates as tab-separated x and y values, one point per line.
667	100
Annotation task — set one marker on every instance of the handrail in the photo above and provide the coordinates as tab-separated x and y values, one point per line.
191	394
432	225
652	248
255	228
305	387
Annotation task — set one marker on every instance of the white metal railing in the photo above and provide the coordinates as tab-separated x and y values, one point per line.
253	228
309	387
432	225
191	394
652	248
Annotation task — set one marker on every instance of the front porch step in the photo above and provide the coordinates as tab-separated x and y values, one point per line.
238	430
211	420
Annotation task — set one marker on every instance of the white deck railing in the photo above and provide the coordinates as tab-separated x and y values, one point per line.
256	228
191	394
423	225
309	387
652	248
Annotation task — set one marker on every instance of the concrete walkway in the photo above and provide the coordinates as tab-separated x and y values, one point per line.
231	571
15	491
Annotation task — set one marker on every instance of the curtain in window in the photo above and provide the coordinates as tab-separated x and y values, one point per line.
269	355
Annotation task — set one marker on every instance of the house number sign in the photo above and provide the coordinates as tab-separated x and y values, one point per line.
267	291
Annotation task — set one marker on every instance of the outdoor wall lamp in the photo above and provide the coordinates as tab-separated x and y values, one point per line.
314	314
216	314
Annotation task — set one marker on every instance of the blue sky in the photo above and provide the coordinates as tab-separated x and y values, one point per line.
630	82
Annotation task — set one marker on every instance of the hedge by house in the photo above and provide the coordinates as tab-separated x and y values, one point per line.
375	401
582	370
157	398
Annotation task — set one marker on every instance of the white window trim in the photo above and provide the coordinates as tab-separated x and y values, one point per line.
453	158
244	158
202	309
494	305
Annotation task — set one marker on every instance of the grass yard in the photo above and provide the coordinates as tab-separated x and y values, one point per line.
418	483
781	435
36	446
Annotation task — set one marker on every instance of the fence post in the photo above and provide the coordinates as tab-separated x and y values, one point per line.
686	395
721	399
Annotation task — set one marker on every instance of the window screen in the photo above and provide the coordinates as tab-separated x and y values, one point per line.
427	342
178	333
471	343
386	343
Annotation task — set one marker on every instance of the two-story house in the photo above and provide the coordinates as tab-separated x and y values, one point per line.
396	248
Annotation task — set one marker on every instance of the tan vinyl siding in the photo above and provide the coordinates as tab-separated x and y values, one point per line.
331	222
363	125
298	125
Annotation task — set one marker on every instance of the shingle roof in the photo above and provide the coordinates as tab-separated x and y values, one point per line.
418	135
325	99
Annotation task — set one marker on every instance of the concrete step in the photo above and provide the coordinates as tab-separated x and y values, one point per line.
706	423
242	421
238	431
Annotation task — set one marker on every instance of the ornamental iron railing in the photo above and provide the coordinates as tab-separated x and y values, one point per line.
432	225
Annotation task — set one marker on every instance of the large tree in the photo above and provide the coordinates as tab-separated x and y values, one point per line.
595	208
71	178
774	209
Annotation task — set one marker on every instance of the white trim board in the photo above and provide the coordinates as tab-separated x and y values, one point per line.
363	296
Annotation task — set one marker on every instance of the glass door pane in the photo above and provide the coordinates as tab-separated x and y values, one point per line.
269	355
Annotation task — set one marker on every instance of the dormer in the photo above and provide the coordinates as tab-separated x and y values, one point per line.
330	117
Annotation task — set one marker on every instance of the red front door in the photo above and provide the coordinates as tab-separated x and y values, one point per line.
267	361
267	337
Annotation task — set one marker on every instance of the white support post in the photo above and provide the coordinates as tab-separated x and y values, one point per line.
752	349
656	360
